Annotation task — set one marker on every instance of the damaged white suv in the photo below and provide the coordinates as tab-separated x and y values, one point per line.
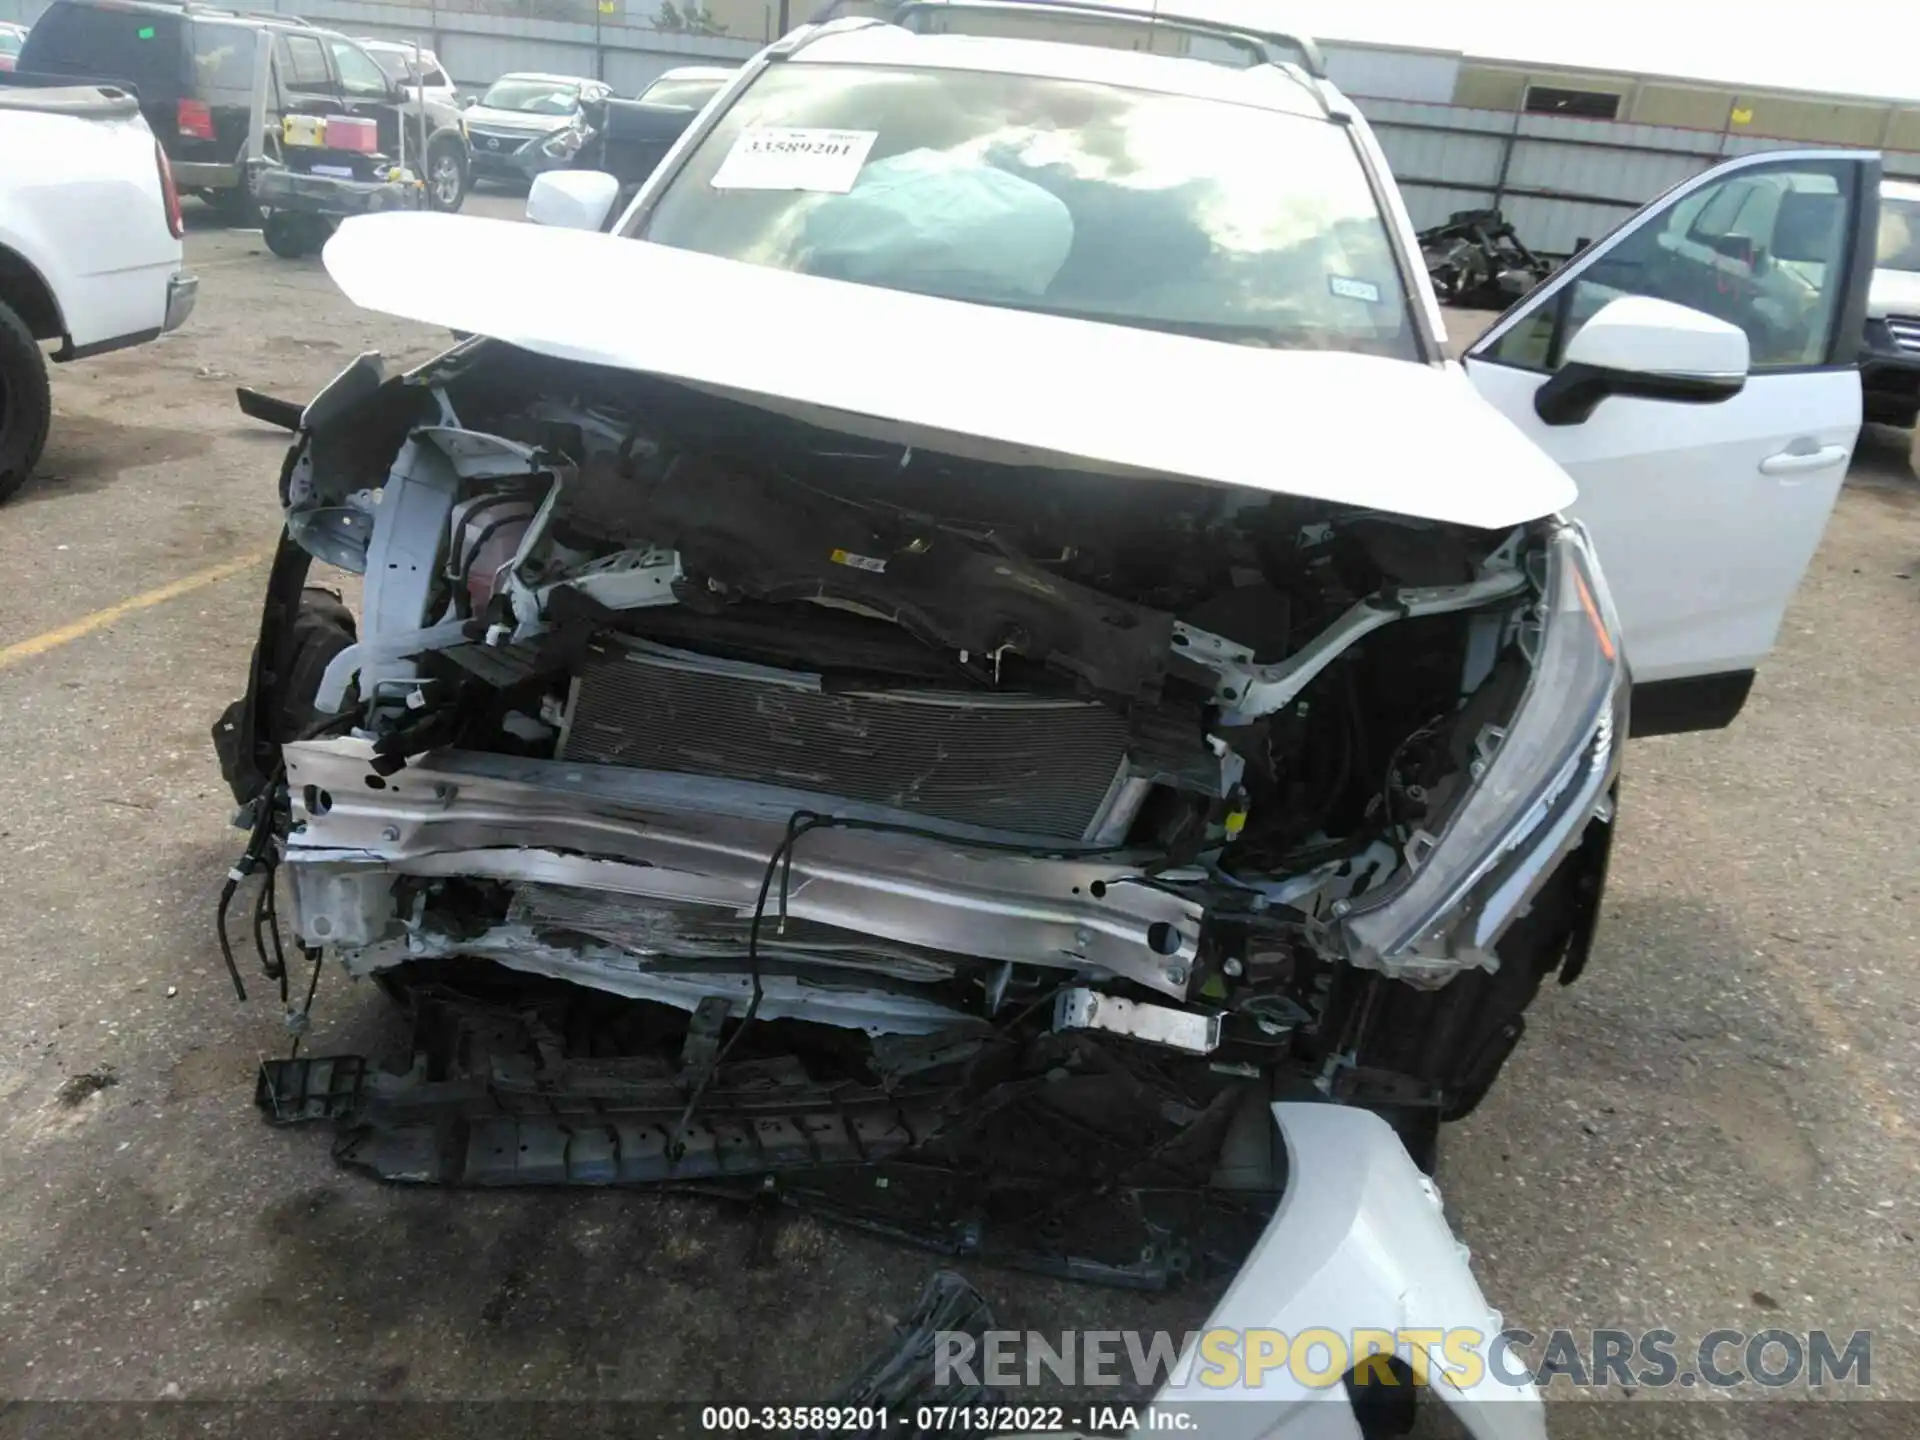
975	653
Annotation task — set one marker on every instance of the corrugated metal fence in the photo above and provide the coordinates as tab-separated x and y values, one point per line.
1559	180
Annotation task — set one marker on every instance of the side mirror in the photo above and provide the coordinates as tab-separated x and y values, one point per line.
1650	349
467	102
572	199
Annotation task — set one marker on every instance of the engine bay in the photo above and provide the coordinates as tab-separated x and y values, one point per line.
630	572
784	732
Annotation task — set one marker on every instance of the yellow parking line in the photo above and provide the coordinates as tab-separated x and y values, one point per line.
53	639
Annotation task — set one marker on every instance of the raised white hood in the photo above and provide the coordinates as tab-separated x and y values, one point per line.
1382	434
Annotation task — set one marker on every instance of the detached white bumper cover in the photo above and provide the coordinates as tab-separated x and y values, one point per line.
1358	1244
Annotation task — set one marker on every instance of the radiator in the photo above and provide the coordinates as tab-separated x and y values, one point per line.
1034	765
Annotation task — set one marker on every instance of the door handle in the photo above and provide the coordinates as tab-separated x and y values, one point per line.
1797	462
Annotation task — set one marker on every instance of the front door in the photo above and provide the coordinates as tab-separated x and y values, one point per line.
1705	516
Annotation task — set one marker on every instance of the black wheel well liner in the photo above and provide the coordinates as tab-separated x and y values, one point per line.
25	291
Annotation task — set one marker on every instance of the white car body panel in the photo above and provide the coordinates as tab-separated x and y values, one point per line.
1278	421
1705	516
1691	342
1358	1242
80	202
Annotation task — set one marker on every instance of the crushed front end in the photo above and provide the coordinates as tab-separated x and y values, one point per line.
964	843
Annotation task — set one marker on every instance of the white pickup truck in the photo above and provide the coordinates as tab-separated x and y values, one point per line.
90	252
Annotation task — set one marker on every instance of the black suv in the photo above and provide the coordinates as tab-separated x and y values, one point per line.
193	67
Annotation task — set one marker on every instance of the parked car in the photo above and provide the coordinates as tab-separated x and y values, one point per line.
12	37
628	139
1890	367
528	123
193	70
689	87
971	742
90	253
415	69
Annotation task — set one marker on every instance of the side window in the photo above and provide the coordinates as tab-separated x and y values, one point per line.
358	74
1764	249
307	64
222	56
436	79
1721	209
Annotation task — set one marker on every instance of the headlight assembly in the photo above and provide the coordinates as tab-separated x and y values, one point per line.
565	144
1537	783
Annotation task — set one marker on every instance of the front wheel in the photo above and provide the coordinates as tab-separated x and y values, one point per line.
446	178
26	402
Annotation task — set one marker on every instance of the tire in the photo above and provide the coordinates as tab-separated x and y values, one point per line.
1418	1127
293	236
323	628
447	182
26	402
284	234
237	208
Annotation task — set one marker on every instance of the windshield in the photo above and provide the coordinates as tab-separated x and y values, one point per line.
1899	235
532	97
687	94
9	42
402	66
1160	211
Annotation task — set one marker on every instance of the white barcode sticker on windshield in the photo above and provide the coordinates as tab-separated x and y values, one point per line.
1348	288
774	157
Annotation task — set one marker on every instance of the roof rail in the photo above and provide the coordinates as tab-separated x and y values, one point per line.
1260	43
227	12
